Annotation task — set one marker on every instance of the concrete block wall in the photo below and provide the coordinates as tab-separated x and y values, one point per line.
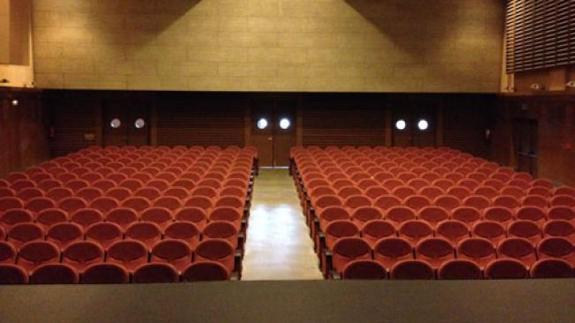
269	45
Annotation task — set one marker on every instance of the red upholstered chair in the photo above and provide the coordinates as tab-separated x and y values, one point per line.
355	201
561	213
535	201
452	230
39	204
59	193
155	273
386	202
63	234
433	215
177	192
104	204
11	274
136	203
104	233
559	228
531	213
104	185
519	249
480	251
525	229
491	230
556	247
412	269
160	216
375	192
347	249
447	202
402	192
498	214
431	192
122	217
459	269
147	232
72	204
415	230
7	253
119	193
22	233
435	251
104	273
196	215
25	194
477	201
128	253
205	271
173	203
564	190
364	269
48	217
54	274
229	214
506	201
399	214
86	217
81	254
11	217
388	251
506	268
218	250
216	230
35	253
562	200
552	268
10	202
516	192
374	230
172	251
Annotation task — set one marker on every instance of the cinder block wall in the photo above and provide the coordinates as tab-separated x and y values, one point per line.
269	45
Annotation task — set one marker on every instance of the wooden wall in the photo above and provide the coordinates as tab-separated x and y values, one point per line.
23	130
80	118
555	119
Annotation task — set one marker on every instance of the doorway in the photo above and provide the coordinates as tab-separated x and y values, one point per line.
125	124
273	129
525	145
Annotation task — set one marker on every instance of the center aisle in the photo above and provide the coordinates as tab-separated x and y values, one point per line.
278	245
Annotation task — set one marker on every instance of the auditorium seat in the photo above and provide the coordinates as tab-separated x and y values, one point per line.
7	253
11	274
128	253
160	216
559	228
434	251
104	204
412	269
399	214
531	213
213	230
205	271
364	269
147	232
104	233
374	230
155	273
35	253
10	202
338	229
81	254
552	268
447	202
22	233
388	251
229	214
506	268
196	215
459	269
415	230
555	247
535	201
348	249
63	234
86	217
122	216
519	249
452	230
362	215
72	204
491	230
498	214
561	213
465	214
479	250
172	251
50	216
216	250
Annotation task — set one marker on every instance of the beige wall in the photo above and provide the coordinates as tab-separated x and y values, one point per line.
269	45
15	43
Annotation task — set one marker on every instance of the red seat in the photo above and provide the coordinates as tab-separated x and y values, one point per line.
525	229
433	215
519	249
480	251
218	250
160	216
347	249
214	230
498	214
415	230
431	192
364	269
559	228
10	202
54	274
531	213
412	269
104	204
122	217
81	254
205	271
399	214
196	215
435	251
128	253
11	274
389	251
7	253
229	214
561	213
459	269
555	247
452	230
72	204
535	201
136	203
63	234
155	273
86	217
551	268
173	203
447	202
174	252
362	215
36	253
491	230
147	232
562	200
22	233
12	217
104	233
103	273
374	230
386	202
49	217
477	201
506	269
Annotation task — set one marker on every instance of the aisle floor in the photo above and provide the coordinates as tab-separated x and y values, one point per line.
278	246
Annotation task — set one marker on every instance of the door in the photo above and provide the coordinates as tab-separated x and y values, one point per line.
273	129
125	124
525	145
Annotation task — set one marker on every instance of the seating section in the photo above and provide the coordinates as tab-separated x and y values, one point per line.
127	214
431	213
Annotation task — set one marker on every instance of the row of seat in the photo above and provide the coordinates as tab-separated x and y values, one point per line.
458	269
421	195
108	273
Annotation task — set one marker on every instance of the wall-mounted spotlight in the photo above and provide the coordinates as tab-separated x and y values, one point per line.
570	84
262	123
422	124
115	123
15	103
536	87
285	123
400	124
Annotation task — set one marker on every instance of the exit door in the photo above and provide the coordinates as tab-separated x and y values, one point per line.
273	130
125	125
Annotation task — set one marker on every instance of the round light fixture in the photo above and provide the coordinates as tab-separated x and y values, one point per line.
15	103
139	123
285	123
400	124
115	123
422	124
262	123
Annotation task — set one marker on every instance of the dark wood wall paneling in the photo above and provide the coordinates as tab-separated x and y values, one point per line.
555	119
23	130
